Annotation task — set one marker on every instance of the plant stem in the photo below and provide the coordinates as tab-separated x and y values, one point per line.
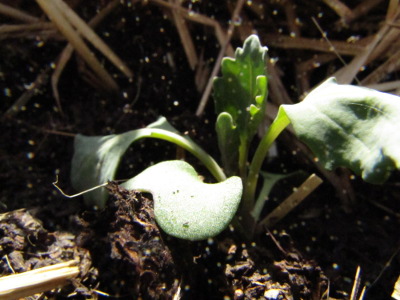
243	154
188	145
277	126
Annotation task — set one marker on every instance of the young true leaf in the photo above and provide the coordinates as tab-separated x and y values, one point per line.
96	158
268	182
350	126
241	92
184	206
228	141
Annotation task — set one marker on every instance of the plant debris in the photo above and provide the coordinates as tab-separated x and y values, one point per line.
25	245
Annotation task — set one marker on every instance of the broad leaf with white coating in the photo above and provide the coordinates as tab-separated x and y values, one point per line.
350	126
184	206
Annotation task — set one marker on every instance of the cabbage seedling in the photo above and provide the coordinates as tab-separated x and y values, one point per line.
343	125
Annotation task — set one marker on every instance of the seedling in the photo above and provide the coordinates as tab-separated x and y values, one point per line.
343	125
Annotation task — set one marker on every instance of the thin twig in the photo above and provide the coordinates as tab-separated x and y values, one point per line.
331	46
276	242
385	267
55	184
385	208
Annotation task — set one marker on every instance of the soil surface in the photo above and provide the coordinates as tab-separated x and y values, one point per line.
313	253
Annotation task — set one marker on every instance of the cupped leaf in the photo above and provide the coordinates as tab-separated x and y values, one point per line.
184	206
95	160
228	141
350	126
241	92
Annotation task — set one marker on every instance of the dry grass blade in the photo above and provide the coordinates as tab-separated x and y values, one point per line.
217	66
291	17
362	294
198	18
184	34
356	284
378	44
68	50
277	89
396	290
384	69
18	105
17	14
392	9
308	186
26	27
92	37
362	9
40	280
58	18
18	31
288	42
385	86
347	74
61	63
340	8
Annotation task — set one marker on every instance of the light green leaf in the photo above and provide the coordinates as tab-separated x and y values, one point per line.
184	206
350	126
96	158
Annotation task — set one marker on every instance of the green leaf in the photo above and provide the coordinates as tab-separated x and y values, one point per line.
96	158
350	126
242	92
184	206
269	181
228	142
243	84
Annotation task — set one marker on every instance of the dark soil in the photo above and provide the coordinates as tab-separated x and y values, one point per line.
312	254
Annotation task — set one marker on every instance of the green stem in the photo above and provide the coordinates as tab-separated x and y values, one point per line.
243	154
277	126
188	145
